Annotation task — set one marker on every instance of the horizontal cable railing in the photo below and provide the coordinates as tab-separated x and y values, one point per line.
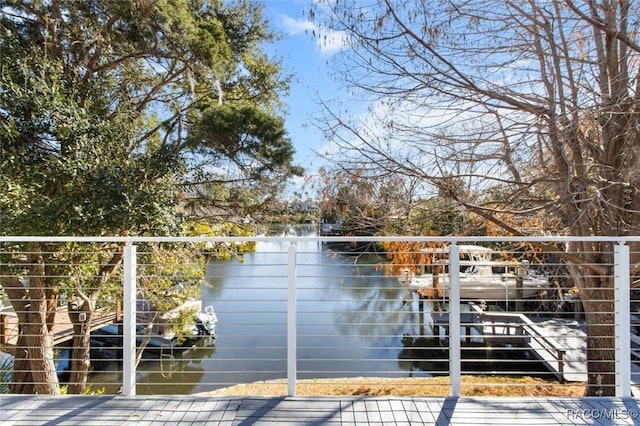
300	313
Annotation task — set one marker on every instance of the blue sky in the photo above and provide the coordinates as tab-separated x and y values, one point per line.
306	59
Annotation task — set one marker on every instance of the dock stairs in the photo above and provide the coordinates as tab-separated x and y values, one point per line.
560	344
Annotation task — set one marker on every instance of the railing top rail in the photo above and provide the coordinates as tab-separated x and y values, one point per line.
293	239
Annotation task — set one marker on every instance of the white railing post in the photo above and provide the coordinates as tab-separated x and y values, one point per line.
622	318
455	363
292	350
129	322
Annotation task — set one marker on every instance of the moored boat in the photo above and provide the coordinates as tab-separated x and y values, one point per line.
107	341
481	278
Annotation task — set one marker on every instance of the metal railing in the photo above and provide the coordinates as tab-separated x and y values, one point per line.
317	309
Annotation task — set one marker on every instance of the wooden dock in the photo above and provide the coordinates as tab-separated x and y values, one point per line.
62	327
561	345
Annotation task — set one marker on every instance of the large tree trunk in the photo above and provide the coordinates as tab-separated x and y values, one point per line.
600	348
52	306
80	355
36	346
595	280
34	369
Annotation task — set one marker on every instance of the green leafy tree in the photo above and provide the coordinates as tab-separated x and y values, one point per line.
244	160
99	105
169	279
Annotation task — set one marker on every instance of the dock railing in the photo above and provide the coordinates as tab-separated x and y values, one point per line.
517	328
321	309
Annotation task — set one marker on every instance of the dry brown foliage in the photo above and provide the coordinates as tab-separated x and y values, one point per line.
431	386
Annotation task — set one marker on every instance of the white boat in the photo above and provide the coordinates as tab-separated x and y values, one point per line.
107	344
481	278
204	322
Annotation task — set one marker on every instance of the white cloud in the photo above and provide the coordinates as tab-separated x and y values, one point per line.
435	141
330	42
327	40
296	26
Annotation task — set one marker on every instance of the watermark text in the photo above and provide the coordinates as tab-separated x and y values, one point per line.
602	413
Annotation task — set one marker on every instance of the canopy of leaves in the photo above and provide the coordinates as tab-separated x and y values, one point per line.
71	169
96	99
222	250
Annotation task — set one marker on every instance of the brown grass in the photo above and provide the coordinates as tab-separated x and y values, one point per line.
432	386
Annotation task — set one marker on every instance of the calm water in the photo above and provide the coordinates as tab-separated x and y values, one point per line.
351	322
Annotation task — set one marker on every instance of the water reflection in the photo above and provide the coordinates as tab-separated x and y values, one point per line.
423	356
181	370
175	371
351	322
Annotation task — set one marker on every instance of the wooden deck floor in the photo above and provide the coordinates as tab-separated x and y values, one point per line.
202	410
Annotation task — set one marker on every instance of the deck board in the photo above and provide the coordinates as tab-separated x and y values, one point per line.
193	410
